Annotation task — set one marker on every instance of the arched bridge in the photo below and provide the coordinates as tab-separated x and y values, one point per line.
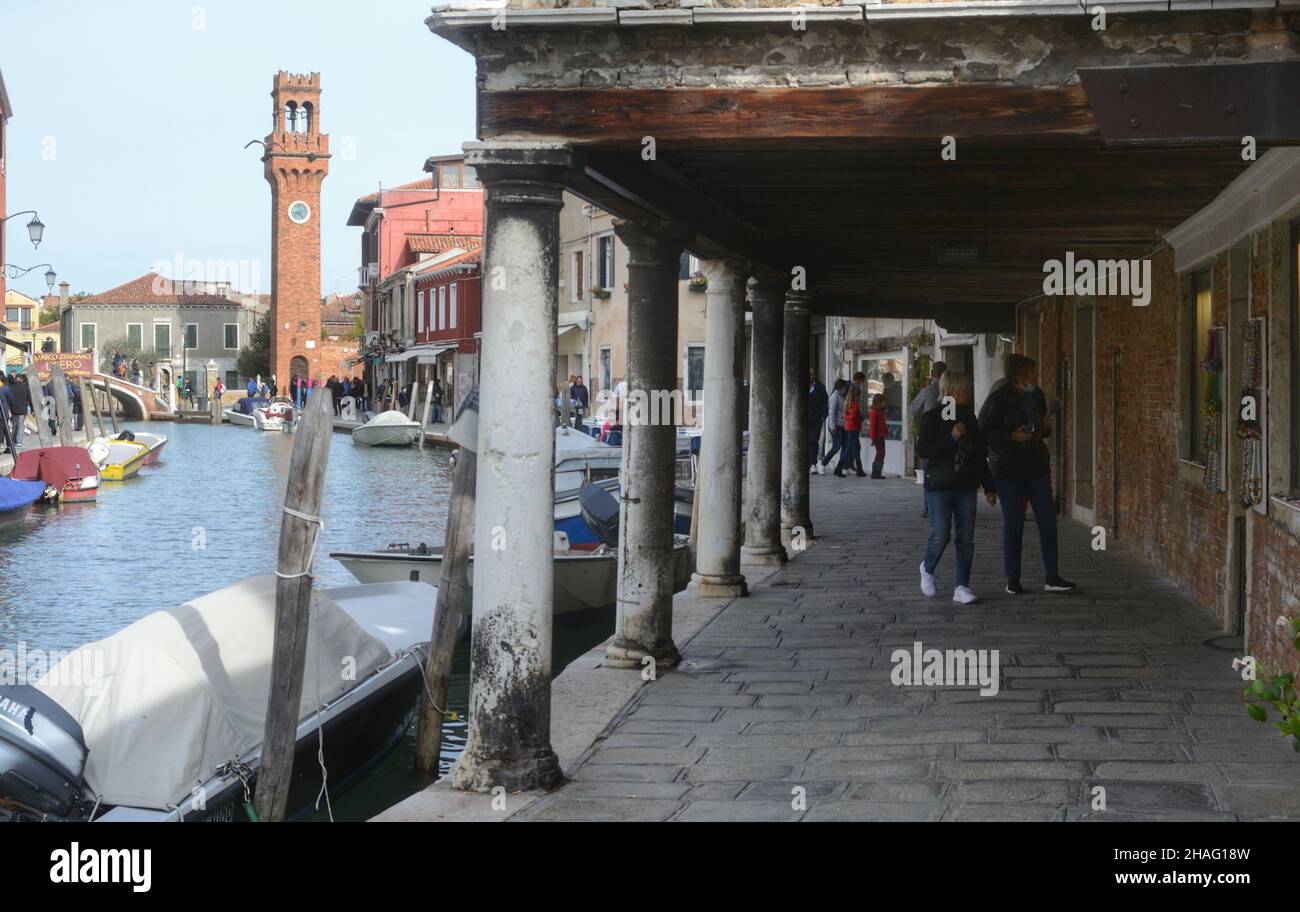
138	403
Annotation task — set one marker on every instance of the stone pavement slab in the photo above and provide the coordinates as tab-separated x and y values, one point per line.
783	707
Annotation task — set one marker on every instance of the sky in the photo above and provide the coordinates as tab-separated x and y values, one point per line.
130	120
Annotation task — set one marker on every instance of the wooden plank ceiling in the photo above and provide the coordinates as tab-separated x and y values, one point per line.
851	184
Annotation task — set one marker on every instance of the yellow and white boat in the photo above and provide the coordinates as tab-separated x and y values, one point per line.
118	460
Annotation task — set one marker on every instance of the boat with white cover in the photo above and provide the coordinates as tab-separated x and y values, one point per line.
164	720
274	416
391	428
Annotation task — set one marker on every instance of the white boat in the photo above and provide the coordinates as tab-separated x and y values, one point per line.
582	579
390	428
164	719
274	416
241	413
155	443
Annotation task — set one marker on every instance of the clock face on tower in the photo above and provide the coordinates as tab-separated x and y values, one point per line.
299	212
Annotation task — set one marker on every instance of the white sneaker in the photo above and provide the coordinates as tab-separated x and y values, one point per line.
964	595
812	470
927	581
821	468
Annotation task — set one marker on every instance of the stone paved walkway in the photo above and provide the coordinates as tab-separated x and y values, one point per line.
1112	686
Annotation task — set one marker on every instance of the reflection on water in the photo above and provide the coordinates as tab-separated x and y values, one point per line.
208	515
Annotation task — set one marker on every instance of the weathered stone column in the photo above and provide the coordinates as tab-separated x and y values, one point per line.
717	570
644	625
509	741
794	424
763	475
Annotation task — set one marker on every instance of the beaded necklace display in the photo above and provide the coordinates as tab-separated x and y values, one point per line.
1250	429
1211	410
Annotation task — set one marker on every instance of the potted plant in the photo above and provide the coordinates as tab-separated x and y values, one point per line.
699	282
599	292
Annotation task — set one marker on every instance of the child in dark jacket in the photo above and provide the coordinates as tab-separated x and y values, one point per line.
878	432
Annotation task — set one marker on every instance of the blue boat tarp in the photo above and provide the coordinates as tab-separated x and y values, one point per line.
15	494
246	406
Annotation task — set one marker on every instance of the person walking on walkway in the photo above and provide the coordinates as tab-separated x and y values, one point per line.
1016	425
878	433
950	441
850	454
818	409
925	400
835	422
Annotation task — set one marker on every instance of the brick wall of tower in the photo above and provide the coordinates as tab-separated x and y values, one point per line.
296	165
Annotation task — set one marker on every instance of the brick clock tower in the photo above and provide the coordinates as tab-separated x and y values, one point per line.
297	159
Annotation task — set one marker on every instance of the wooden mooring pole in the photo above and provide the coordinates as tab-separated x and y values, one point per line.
453	590
37	395
216	410
112	407
298	537
88	395
62	407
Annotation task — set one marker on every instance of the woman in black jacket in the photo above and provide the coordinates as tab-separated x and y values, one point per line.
1016	422
950	439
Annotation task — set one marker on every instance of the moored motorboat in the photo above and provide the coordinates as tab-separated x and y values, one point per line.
68	471
164	720
16	496
241	413
390	428
117	460
154	442
581	579
274	416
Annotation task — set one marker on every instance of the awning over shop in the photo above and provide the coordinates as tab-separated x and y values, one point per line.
421	354
568	327
430	356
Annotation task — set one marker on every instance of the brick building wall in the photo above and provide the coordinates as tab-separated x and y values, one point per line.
1164	514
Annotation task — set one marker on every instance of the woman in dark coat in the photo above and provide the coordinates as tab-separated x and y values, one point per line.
950	439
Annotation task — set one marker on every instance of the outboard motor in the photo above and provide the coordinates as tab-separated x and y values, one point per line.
42	757
125	435
600	512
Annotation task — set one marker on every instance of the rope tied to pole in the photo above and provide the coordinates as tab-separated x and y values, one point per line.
319	525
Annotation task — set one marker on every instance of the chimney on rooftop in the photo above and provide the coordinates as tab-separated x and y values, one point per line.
63	297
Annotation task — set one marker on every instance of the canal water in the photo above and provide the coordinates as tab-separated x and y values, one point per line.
208	515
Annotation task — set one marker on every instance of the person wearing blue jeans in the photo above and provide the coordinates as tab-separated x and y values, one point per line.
835	423
1016	422
950	439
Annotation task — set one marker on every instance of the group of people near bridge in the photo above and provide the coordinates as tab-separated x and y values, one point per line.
1001	451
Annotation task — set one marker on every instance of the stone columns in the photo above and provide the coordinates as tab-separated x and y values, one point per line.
717	570
509	741
763	513
794	425
644	624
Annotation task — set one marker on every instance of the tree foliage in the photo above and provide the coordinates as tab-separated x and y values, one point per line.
255	357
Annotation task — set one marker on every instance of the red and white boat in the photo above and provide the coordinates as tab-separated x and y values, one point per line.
69	471
274	417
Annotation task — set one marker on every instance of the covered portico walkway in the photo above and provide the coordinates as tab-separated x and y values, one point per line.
1114	686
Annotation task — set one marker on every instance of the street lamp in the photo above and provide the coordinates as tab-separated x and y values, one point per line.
35	228
15	272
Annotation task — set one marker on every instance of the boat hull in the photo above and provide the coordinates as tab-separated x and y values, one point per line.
395	435
238	418
580	581
121	465
155	443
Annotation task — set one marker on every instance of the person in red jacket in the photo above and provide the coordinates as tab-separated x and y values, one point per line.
878	431
851	455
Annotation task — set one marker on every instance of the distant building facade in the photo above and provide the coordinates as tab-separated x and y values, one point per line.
177	328
22	324
406	232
